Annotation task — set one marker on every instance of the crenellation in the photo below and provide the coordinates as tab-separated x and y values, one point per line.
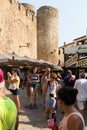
13	1
32	17
26	12
29	6
22	9
25	9
19	6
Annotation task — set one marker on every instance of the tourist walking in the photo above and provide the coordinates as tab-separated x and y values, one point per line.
14	79
69	79
44	80
81	86
34	79
73	119
51	88
26	83
8	110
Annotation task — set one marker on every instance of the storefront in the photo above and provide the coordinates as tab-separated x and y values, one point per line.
75	58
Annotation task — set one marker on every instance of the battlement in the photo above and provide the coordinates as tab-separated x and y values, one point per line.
30	7
13	1
24	8
27	8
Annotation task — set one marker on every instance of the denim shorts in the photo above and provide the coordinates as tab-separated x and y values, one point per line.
38	84
33	85
15	92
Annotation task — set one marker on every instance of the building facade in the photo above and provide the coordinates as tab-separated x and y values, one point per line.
63	55
74	56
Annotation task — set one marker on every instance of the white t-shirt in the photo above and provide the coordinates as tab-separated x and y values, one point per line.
81	86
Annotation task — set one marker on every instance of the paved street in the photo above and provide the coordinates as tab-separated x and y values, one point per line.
34	118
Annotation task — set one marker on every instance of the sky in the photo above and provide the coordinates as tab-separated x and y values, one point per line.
72	22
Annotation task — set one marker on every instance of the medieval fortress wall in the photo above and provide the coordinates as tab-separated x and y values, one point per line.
23	32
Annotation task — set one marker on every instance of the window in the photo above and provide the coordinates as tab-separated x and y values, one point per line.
79	43
63	50
59	62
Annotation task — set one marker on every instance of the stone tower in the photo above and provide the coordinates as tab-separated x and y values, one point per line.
47	34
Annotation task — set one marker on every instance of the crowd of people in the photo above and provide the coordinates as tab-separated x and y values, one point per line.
70	96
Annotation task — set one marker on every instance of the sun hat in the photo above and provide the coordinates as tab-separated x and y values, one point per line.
2	82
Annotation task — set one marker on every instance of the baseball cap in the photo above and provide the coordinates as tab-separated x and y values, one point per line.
2	83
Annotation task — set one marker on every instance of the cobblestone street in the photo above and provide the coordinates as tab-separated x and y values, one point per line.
34	118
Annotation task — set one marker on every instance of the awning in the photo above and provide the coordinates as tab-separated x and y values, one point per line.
14	59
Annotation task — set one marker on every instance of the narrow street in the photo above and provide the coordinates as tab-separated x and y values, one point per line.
33	118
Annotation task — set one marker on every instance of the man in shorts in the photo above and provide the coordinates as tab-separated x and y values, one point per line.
81	86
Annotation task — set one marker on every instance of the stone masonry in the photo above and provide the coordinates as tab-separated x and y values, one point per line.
47	34
20	30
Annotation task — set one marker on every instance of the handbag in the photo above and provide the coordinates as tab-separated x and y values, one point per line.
12	86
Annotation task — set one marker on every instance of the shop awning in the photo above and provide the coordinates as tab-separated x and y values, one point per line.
14	59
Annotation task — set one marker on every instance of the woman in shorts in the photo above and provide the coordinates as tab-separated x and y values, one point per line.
14	78
34	79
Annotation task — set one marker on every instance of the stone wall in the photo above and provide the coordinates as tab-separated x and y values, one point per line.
18	28
47	34
26	34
